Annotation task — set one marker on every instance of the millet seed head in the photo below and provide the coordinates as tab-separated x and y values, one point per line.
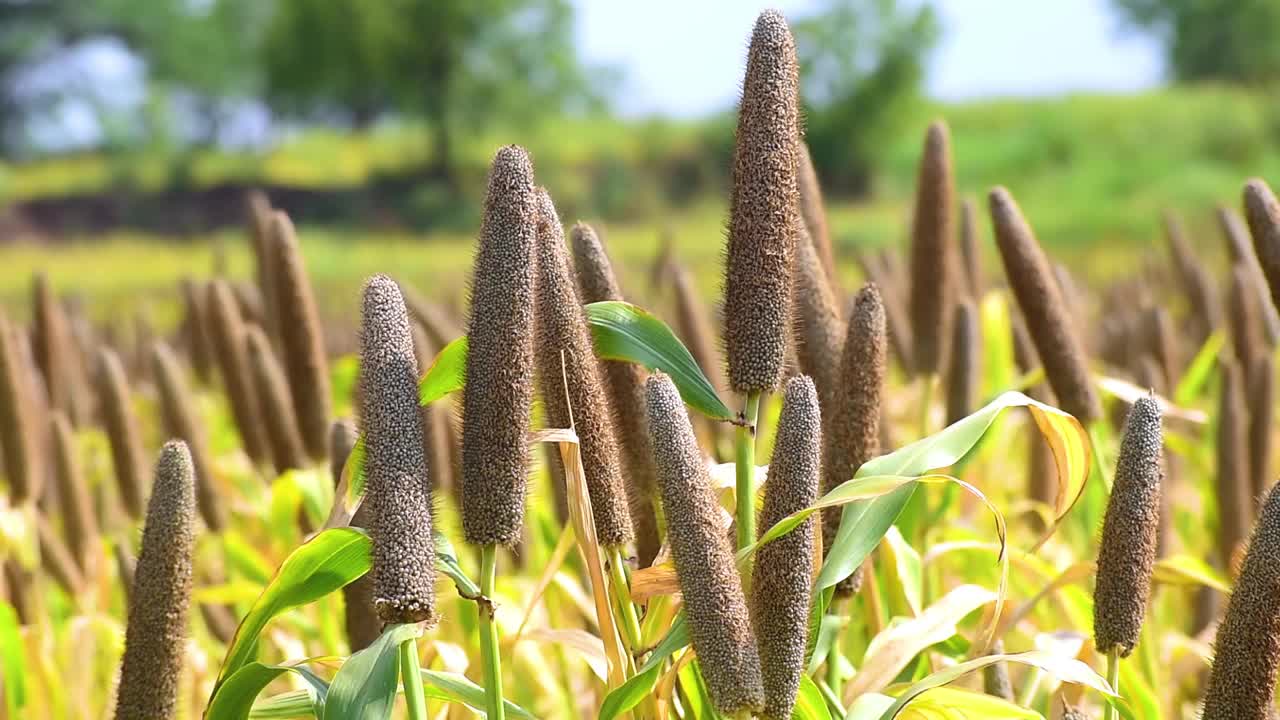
964	371
719	623
342	439
818	326
301	337
79	523
272	390
814	213
1247	649
227	332
498	393
1233	486
180	420
1050	324
196	326
155	638
764	213
851	431
933	251
121	424
1260	379
18	434
1262	212
970	250
1127	552
1244	315
397	489
783	576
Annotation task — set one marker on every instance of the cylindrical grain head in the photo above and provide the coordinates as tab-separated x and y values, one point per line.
851	431
1163	342
1201	296
1241	252
275	403
1127	553
1261	394
1244	315
1246	653
1263	214
1234	488
196	328
394	462
79	524
897	319
970	250
933	251
227	332
301	337
995	677
763	211
342	439
19	443
1047	318
818	326
783	577
964	371
814	213
497	397
624	384
121	424
56	559
1070	712
569	379
155	638
719	624
51	341
179	420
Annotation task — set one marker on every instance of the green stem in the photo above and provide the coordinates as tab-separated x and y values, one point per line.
745	468
622	594
489	634
1113	679
411	677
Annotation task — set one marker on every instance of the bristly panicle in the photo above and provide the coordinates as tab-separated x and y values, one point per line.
814	213
398	492
121	424
498	395
934	256
764	212
278	416
1039	297
155	638
964	371
18	435
819	327
179	420
719	623
196	328
1233	486
1202	296
971	251
1244	316
783	579
79	523
1260	379
1263	214
227	333
1127	552
1246	654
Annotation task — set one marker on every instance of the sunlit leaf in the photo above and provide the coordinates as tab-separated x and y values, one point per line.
1200	370
235	698
456	688
809	702
12	665
365	687
630	693
1189	570
446	374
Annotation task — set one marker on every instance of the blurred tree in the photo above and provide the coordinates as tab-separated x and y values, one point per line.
862	66
1222	40
456	63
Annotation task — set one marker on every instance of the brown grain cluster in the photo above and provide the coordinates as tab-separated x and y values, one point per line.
18	435
934	256
121	424
764	213
180	421
1233	486
819	327
498	393
272	390
227	330
964	369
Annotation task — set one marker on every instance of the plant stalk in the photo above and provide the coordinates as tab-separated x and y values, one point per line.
411	677
1113	679
622	595
489	634
745	469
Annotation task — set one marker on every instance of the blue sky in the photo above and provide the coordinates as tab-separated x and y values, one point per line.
685	57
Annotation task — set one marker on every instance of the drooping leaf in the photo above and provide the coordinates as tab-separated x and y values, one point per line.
446	374
291	704
630	693
365	687
235	698
1190	570
1197	374
456	688
12	664
809	702
622	331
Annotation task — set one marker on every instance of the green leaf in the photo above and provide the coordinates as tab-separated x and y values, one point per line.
12	664
320	566
292	704
1200	370
630	693
235	697
446	374
695	691
869	706
809	702
1190	570
447	562
864	522
455	688
365	687
904	573
623	331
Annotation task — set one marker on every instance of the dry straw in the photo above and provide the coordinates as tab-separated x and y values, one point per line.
782	583
361	620
970	250
278	418
1040	299
624	384
719	624
79	524
499	390
155	638
819	328
1127	552
964	371
121	424
181	421
395	465
814	213
933	251
1247	650
227	332
1234	486
763	211
18	436
569	378
196	328
301	336
851	429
